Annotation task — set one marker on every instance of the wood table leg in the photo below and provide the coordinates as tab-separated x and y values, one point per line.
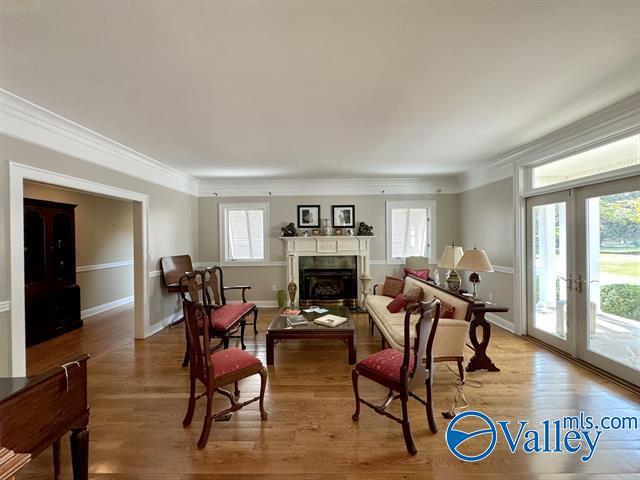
270	347
351	343
480	360
56	459
80	454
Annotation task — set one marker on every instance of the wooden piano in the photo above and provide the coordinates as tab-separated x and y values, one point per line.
35	412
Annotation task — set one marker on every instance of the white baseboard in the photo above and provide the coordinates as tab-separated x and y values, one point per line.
500	322
259	303
89	312
164	323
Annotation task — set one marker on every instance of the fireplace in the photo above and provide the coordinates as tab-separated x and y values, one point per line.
328	279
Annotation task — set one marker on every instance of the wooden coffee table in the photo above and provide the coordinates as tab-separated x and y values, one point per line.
279	330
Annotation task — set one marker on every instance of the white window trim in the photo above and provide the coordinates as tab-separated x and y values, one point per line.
430	205
224	237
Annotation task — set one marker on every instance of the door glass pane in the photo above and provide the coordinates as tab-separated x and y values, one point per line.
614	277
550	268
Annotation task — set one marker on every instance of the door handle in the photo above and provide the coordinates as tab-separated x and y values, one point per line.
580	283
568	280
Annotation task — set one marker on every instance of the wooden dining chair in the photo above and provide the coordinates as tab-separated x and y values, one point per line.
402	371
216	295
215	369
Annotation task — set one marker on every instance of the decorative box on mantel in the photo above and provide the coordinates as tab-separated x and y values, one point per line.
297	247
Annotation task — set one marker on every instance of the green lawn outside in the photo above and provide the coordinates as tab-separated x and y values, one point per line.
620	264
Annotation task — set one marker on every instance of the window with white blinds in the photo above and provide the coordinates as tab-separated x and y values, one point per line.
244	232
409	230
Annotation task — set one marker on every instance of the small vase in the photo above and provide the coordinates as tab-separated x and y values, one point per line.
327	230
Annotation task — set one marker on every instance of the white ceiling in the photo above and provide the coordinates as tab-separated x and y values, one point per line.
330	89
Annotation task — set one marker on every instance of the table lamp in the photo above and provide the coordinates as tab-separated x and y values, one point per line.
449	259
476	261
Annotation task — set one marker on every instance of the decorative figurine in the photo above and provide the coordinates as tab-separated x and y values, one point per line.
292	288
365	230
289	230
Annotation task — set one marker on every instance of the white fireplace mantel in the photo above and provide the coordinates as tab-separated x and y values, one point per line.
297	247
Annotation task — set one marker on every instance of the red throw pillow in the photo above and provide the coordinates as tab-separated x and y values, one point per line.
397	304
421	274
392	287
446	309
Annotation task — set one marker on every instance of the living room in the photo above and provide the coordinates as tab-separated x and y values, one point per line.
462	175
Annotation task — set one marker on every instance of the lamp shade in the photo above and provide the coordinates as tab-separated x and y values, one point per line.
475	260
450	256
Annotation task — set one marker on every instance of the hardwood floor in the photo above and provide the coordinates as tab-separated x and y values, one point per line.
138	396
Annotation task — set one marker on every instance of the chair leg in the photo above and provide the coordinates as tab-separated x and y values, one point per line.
225	341
236	390
243	324
56	459
255	321
461	369
429	405
185	360
206	427
383	343
370	326
192	402
354	379
263	387
406	428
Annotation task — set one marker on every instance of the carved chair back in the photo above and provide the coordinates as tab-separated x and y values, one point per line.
214	295
196	318
425	332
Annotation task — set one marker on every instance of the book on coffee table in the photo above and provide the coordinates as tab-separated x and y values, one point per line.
290	312
330	320
295	320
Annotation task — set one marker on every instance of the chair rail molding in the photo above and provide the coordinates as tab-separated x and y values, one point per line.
25	120
104	266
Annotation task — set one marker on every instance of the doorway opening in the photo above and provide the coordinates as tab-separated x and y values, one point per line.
138	204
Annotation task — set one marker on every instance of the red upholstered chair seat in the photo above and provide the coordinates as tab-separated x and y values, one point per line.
231	360
224	317
386	363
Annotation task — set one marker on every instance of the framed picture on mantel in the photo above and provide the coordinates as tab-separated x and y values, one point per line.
308	216
343	216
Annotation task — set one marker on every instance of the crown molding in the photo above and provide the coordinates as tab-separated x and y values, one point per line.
326	187
616	120
27	121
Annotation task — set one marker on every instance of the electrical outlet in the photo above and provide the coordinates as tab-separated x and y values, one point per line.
491	297
274	287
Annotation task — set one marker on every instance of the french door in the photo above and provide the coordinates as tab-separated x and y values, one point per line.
583	274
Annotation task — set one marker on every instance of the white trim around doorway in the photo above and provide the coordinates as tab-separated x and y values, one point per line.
18	173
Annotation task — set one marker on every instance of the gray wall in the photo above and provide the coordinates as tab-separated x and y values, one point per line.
173	223
485	220
104	234
282	210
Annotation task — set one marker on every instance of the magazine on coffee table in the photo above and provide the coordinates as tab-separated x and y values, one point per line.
330	320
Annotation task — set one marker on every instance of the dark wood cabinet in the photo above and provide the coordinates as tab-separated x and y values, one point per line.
52	297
